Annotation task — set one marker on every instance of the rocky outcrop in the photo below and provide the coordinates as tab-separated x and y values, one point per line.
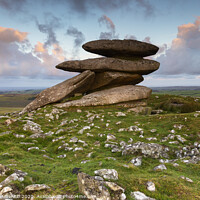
106	80
120	48
68	88
136	66
111	96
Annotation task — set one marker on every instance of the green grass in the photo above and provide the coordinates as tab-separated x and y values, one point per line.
57	173
9	109
15	100
194	93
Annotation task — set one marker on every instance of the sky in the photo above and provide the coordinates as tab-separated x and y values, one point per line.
37	35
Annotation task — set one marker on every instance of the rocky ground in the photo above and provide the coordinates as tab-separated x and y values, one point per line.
103	153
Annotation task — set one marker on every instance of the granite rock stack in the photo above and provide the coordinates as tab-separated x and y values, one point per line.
106	80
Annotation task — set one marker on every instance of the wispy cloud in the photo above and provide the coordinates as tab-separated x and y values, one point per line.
110	26
79	37
51	24
11	5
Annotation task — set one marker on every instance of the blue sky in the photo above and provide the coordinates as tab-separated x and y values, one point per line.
37	35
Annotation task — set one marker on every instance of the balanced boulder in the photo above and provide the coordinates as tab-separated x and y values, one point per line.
78	84
137	66
106	80
120	48
111	96
112	79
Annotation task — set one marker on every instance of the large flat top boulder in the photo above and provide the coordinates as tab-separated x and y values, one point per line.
120	48
111	96
136	66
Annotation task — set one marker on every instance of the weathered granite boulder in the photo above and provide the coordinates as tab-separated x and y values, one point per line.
36	187
17	175
147	149
91	188
110	96
95	188
137	195
110	79
3	170
136	66
80	83
115	48
107	173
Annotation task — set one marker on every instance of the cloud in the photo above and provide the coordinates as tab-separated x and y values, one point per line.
86	6
10	5
51	24
183	55
78	35
110	26
148	8
130	37
147	39
38	62
9	35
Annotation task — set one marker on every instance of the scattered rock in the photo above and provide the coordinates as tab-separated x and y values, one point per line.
160	167
110	137
91	188
136	161
107	173
140	196
5	190
181	139
19	136
117	192
5	133
148	149
18	175
120	114
187	179
8	122
151	186
33	148
3	170
33	127
74	140
36	187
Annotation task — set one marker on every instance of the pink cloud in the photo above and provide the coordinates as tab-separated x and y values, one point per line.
183	55
11	35
40	61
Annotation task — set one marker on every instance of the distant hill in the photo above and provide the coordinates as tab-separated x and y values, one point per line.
176	88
